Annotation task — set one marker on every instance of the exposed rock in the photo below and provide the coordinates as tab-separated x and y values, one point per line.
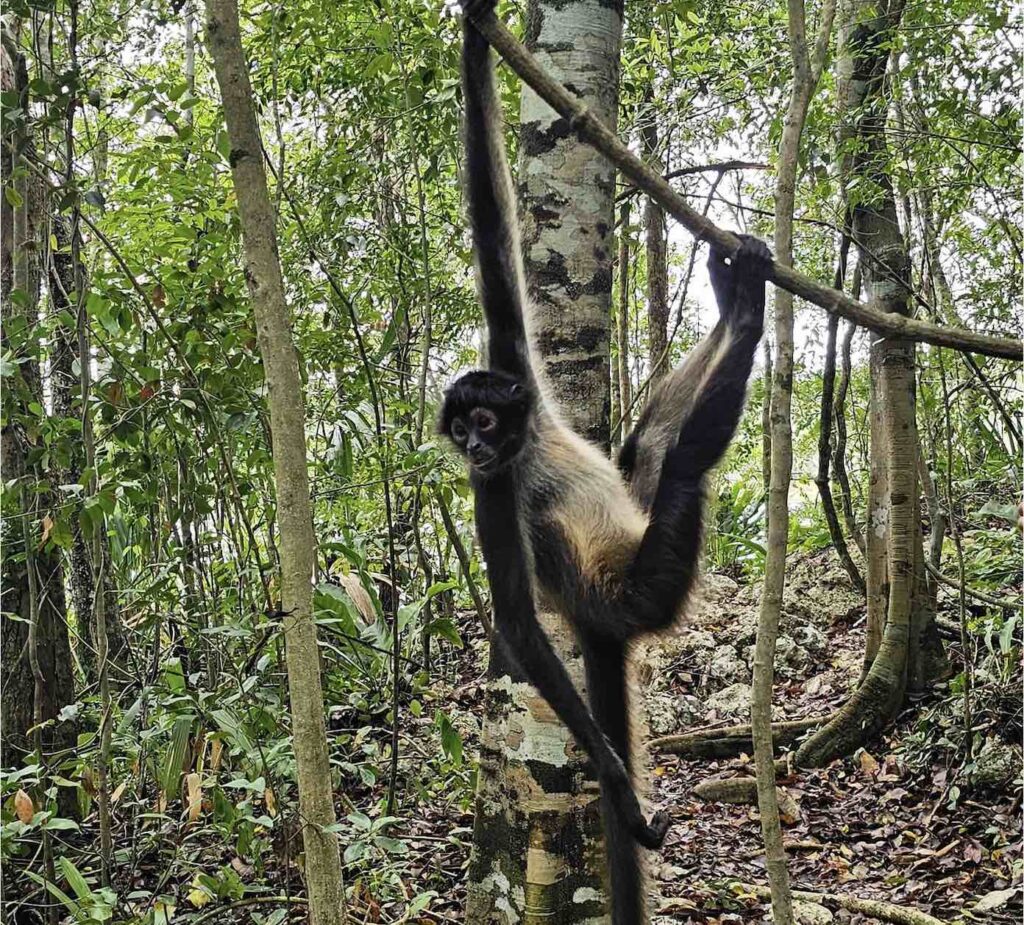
727	666
733	700
997	764
669	712
812	639
818	590
714	587
662	714
790	658
811	913
694	640
743	631
788	654
690	710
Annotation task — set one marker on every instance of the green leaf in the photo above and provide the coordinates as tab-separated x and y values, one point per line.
355	852
381	64
446	629
451	741
175	759
391	845
420	902
993	508
74	878
242	783
360	820
1006	635
74	908
60	824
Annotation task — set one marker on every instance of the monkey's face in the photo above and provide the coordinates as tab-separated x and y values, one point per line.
486	416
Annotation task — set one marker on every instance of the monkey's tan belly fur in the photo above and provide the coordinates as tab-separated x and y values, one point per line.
605	526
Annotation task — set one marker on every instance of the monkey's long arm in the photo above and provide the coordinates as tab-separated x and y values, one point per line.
515	619
492	212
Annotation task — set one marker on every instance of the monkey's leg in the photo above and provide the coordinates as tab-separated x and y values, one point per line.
605	660
515	619
665	566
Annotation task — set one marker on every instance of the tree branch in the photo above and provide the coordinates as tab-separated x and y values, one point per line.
594	132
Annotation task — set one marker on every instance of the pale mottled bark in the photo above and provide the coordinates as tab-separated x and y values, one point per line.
287	425
566	193
537	825
536	853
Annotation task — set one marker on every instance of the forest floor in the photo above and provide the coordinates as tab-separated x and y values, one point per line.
897	822
904	821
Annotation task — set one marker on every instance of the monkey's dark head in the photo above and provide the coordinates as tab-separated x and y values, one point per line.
486	414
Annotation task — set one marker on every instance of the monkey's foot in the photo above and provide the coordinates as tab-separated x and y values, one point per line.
753	260
473	8
650	835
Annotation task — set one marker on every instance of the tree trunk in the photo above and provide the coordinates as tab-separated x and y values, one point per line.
16	706
839	411
822	479
805	77
287	424
63	279
893	539
766	419
622	326
536	848
657	256
35	655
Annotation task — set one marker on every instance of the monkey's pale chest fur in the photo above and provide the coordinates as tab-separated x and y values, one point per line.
574	500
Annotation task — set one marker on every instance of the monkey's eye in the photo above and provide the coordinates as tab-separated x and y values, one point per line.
459	432
486	422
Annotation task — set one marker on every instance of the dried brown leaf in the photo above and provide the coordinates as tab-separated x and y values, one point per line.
24	808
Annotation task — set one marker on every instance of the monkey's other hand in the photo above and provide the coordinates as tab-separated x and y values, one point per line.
738	281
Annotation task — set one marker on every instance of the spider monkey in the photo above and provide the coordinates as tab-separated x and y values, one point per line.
614	549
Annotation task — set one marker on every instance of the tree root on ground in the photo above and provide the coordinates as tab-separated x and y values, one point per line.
730	741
